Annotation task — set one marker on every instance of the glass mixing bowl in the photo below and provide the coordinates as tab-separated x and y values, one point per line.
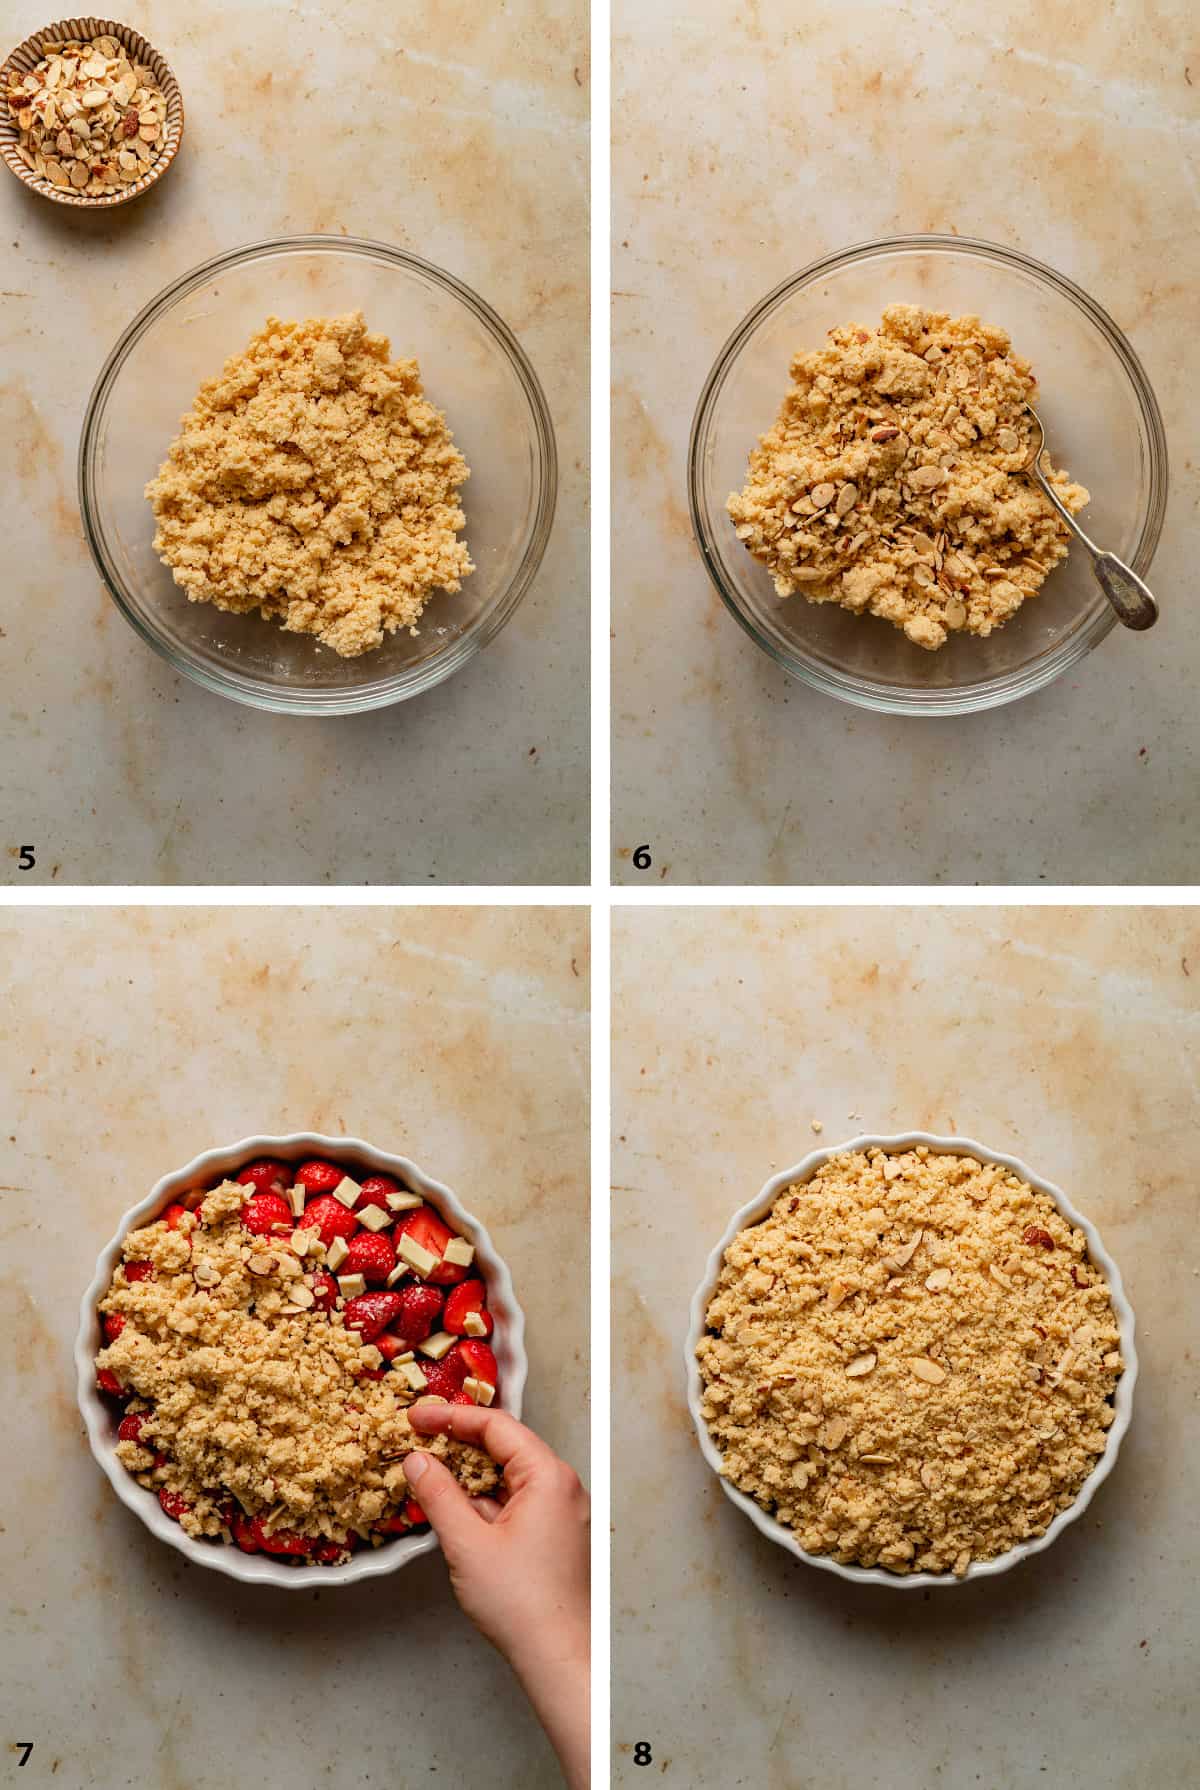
472	368
1102	424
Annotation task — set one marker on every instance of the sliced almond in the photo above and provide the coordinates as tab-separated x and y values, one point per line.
938	1281
931	1479
205	1275
927	1370
847	497
838	1290
832	1432
823	494
927	478
260	1262
1001	1279
900	1258
302	1296
877	1460
862	1364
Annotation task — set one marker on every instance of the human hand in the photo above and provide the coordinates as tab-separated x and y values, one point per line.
519	1564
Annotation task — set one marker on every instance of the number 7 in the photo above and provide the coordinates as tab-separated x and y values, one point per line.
26	1747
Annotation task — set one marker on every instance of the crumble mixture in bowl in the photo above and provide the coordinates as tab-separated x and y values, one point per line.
1102	424
911	1361
254	1338
313	481
311	500
890	483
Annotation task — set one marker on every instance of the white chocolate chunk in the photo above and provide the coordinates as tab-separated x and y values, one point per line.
460	1252
404	1201
438	1345
482	1392
412	1373
336	1254
473	1324
351	1285
420	1260
347	1191
296	1198
374	1217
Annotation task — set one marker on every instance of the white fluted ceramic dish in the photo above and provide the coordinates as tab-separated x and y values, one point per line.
759	1206
101	1416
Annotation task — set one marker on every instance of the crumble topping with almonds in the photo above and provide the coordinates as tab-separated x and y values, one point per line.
87	116
313	481
887	484
254	1412
910	1361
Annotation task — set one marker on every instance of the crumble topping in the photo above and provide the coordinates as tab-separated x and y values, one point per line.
887	484
313	480
245	1395
910	1361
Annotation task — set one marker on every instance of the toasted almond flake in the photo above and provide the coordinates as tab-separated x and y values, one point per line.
862	1364
832	1432
927	1370
838	1290
205	1275
302	1296
823	494
1001	1279
938	1281
927	478
877	1460
847	497
931	1479
260	1262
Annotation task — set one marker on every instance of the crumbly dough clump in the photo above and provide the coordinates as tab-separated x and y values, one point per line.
315	482
886	485
910	1361
244	1400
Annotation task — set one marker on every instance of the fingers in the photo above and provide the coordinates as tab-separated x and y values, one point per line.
513	1447
450	1511
488	1508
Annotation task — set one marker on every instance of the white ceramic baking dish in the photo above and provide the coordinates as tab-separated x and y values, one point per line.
759	1206
101	1415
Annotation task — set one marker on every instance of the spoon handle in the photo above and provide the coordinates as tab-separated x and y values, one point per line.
1134	604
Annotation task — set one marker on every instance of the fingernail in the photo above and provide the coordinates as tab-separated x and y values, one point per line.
414	1467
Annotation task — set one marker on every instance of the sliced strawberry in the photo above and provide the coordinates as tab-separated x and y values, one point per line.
319	1177
160	1460
443	1378
478	1361
330	1218
370	1253
114	1323
283	1541
328	1553
108	1382
420	1309
325	1290
471	1295
462	1398
264	1212
412	1510
174	1503
173	1214
370	1313
266	1176
130	1428
375	1190
139	1270
371	1373
396	1524
390	1345
243	1532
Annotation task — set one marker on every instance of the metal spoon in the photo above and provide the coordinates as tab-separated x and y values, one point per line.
1133	603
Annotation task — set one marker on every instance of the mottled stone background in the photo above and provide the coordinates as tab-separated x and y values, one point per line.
131	1040
1067	1037
454	130
748	141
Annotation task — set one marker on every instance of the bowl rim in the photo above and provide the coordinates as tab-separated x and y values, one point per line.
173	124
1009	686
97	1413
1122	1398
416	680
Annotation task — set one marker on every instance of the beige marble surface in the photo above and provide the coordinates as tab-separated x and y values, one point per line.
456	131
750	140
1068	1037
133	1039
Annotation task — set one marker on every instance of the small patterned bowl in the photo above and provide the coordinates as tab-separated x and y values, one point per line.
25	58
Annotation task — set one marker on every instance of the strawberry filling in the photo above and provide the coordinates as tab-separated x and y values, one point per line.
426	1294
